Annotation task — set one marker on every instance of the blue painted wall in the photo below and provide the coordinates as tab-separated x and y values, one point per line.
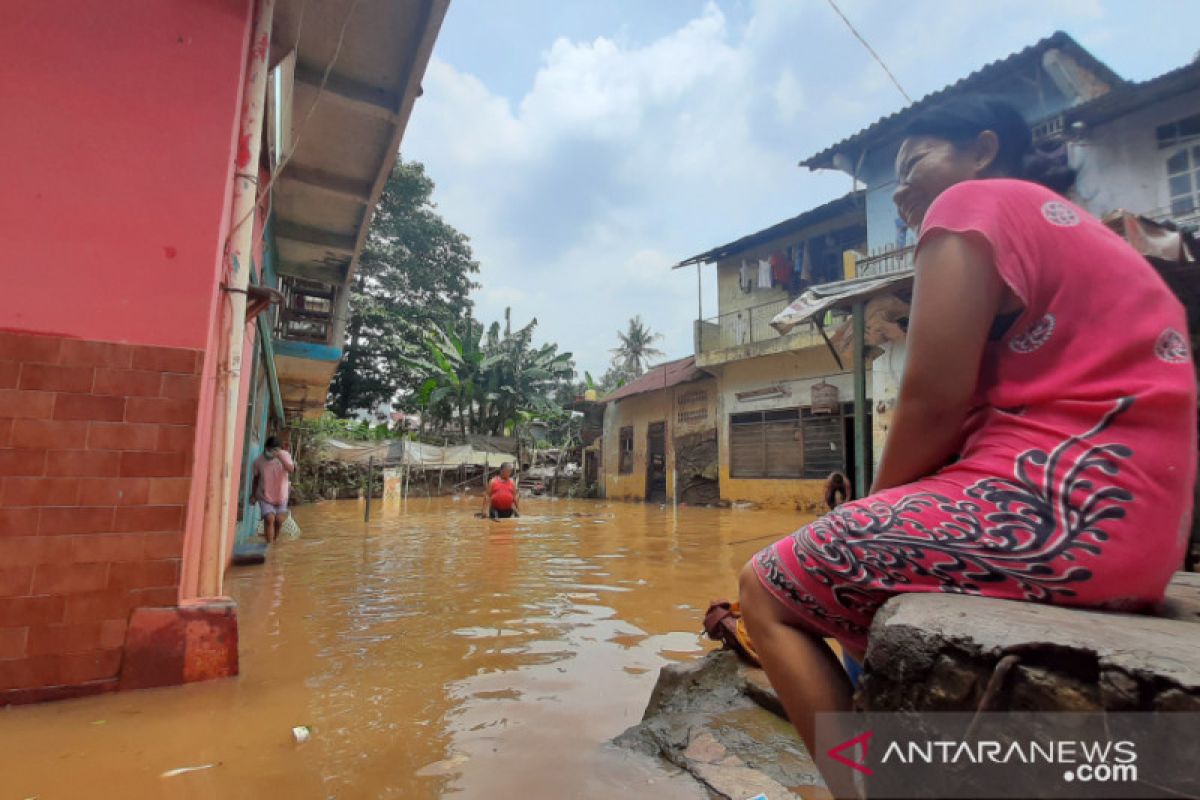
309	350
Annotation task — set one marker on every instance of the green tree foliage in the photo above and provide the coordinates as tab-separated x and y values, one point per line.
484	381
414	272
614	378
636	349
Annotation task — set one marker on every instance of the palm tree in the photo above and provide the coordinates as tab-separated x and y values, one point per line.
635	351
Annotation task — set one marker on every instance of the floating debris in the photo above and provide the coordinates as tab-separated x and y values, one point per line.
445	767
171	773
301	733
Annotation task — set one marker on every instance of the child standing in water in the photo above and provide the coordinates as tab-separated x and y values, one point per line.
271	485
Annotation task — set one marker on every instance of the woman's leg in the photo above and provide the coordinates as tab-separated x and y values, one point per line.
802	669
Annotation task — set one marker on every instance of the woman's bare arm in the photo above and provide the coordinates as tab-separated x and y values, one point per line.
956	297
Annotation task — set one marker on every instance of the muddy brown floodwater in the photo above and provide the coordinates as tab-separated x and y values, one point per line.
431	653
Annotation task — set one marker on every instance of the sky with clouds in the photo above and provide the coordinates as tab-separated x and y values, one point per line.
586	146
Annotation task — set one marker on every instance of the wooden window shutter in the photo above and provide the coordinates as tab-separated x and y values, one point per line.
747	455
824	445
784	446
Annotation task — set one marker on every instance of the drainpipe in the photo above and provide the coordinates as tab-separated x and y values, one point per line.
221	491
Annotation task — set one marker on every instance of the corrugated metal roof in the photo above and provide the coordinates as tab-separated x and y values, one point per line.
974	81
663	376
358	69
847	203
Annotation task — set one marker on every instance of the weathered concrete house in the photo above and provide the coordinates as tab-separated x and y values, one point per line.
660	436
781	418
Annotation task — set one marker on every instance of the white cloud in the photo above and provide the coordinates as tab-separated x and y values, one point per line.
623	157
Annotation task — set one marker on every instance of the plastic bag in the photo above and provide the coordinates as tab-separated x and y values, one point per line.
289	529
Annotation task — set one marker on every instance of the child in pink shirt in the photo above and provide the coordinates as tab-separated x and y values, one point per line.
270	491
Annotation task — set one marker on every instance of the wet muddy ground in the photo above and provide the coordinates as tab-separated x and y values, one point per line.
430	652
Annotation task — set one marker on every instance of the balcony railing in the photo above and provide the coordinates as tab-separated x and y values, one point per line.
306	314
745	326
885	260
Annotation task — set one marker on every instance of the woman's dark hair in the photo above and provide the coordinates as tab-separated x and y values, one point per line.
272	443
961	120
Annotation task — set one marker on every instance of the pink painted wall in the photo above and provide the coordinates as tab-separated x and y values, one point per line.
117	150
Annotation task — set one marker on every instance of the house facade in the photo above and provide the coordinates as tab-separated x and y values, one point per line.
781	421
660	436
175	172
1134	149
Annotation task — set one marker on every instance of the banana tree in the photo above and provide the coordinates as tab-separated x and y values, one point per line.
489	380
451	365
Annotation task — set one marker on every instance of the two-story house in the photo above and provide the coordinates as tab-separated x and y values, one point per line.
781	421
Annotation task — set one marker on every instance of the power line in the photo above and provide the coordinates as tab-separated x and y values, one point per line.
870	50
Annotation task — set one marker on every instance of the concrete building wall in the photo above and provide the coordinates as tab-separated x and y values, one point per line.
1120	165
118	151
679	407
639	412
796	372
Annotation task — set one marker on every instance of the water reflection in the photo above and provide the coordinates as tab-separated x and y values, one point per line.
430	652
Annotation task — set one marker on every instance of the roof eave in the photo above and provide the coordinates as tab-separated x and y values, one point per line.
856	143
814	216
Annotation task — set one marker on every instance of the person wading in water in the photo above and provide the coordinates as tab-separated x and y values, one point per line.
270	488
1043	445
501	501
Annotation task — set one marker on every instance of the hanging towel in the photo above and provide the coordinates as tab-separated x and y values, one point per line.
806	265
764	274
781	268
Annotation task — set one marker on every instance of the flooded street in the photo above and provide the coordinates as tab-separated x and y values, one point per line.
431	653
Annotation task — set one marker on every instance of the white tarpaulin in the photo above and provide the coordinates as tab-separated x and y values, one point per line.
428	456
434	456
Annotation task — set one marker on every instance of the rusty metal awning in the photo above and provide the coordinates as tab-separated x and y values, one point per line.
812	305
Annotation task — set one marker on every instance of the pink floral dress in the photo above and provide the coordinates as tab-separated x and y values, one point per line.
1074	484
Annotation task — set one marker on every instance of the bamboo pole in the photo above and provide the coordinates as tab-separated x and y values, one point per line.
367	506
442	465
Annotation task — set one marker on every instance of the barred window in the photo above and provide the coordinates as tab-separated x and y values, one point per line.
786	443
766	444
625	461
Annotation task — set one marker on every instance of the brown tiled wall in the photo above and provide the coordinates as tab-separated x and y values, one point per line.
96	446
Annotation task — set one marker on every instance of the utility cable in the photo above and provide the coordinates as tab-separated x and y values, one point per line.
870	50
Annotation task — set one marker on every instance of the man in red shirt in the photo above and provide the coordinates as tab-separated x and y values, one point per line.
501	501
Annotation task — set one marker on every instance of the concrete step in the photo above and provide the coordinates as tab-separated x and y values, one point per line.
937	652
710	718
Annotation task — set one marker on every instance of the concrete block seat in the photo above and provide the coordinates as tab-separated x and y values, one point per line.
938	652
